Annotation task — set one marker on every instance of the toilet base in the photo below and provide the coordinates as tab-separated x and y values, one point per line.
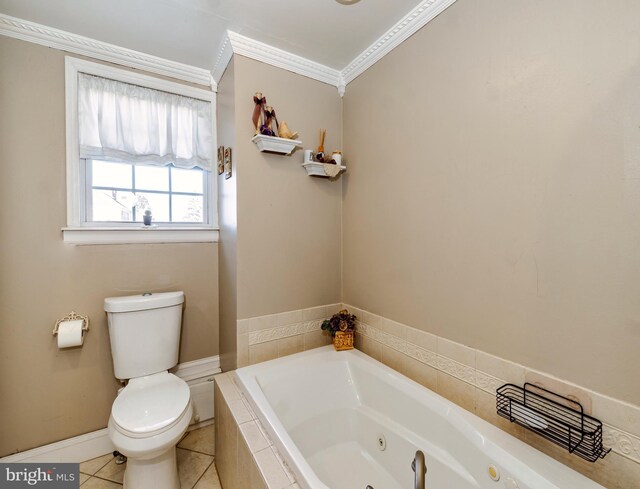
160	472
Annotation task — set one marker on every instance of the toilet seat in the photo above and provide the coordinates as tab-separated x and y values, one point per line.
151	405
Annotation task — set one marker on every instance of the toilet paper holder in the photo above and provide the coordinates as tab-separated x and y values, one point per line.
72	316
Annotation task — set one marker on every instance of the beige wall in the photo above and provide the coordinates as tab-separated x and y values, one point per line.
289	224
493	193
47	394
227	216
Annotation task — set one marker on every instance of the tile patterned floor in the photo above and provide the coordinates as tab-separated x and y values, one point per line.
195	465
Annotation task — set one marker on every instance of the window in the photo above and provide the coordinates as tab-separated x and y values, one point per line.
121	192
134	144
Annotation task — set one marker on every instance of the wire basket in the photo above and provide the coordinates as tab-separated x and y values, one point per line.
557	418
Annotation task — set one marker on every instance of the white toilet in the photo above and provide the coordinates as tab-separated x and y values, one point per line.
153	411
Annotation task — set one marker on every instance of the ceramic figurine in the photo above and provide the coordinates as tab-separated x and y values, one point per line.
285	132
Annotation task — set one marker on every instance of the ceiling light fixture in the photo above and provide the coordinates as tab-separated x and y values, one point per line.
347	2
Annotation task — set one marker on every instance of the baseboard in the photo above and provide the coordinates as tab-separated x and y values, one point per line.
198	374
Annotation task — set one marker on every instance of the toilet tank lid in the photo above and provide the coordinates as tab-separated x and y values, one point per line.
143	302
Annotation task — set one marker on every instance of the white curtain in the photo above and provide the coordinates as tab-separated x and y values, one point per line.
120	121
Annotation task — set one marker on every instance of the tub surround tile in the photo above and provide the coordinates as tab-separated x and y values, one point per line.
256	440
273	473
617	413
226	384
421	373
314	313
242	347
249	476
457	352
243	325
422	339
613	471
561	387
201	440
393	328
290	317
500	368
315	339
240	412
290	345
226	433
457	391
262	352
369	346
284	466
485	404
246	458
392	358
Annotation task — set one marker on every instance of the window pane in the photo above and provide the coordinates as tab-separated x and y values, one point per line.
108	174
113	205
158	204
152	177
191	181
187	208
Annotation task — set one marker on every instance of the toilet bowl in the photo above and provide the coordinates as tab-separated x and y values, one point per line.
147	420
152	413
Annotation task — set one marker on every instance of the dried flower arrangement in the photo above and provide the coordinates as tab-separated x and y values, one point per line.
341	327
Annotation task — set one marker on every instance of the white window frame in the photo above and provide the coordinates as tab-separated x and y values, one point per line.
78	230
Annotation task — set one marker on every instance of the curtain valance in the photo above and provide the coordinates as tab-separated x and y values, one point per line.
121	121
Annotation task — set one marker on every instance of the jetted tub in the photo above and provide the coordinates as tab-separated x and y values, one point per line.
342	420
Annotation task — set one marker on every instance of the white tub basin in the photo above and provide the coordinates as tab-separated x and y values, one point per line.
329	413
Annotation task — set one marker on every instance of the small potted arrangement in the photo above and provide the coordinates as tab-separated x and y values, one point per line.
341	327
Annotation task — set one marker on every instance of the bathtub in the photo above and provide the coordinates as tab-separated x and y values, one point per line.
342	420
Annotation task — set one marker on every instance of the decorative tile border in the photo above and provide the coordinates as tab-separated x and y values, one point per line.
265	335
447	365
620	441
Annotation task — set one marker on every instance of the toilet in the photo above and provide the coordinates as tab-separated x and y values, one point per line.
152	413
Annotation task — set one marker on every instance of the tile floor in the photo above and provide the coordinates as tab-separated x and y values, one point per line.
195	465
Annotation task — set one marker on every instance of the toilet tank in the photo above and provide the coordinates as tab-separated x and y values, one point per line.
144	331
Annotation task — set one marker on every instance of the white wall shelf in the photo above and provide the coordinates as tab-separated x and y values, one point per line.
271	144
317	170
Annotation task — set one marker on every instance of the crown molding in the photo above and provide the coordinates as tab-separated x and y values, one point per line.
260	51
422	14
225	53
66	41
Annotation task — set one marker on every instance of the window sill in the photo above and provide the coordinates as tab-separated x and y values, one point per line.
103	236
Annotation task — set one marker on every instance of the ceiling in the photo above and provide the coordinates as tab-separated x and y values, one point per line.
190	31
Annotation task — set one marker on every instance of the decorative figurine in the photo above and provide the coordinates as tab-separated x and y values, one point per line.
146	218
265	121
260	102
269	118
285	132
